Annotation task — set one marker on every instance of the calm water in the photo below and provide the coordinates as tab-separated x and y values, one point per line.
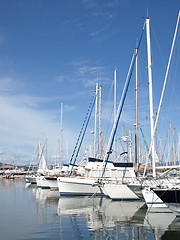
30	213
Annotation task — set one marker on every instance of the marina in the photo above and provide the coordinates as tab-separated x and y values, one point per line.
28	212
109	167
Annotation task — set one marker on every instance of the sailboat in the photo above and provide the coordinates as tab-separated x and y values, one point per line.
42	168
86	184
113	190
165	194
119	189
51	177
131	188
74	185
90	184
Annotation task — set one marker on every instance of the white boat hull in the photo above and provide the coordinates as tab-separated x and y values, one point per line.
78	187
52	183
31	179
119	191
152	200
42	182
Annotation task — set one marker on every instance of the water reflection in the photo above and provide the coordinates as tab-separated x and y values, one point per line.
110	212
158	220
127	219
47	196
173	231
29	186
46	201
95	218
34	213
6	184
103	215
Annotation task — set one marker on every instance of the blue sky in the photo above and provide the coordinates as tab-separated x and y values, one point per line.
56	51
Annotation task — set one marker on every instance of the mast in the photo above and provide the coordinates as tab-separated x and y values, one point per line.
164	85
178	147
175	155
127	145
170	144
150	94
130	145
60	162
136	113
120	107
119	111
95	124
115	142
100	144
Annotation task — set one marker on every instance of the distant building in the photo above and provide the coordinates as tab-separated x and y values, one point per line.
7	167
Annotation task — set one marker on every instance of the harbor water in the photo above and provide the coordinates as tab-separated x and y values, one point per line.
27	212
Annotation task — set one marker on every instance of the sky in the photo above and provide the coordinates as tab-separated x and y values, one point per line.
54	52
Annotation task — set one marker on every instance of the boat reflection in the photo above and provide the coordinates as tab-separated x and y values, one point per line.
123	212
175	225
45	196
159	219
173	231
102	215
30	186
77	205
103	212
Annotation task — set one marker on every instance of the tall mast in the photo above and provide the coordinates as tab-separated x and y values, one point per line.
130	145
171	147
178	146
136	124
164	85
127	140
60	163
100	144
175	153
115	142
150	94
95	124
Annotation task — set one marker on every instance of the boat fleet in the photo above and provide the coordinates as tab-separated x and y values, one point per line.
119	183
114	180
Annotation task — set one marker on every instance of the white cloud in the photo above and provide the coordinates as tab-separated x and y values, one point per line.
90	75
68	108
100	30
88	3
103	14
60	78
7	84
22	123
20	119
